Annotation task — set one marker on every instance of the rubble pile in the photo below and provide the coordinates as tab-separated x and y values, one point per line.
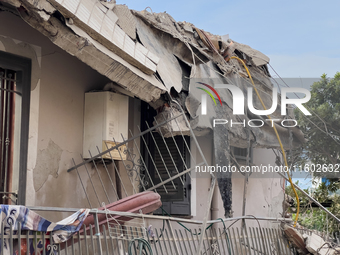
309	243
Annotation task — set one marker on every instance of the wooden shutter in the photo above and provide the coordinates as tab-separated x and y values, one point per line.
177	200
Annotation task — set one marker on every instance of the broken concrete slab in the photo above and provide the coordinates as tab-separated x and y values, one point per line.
174	127
15	3
188	27
187	47
168	67
192	104
316	245
296	238
97	56
110	5
100	23
264	136
126	20
257	57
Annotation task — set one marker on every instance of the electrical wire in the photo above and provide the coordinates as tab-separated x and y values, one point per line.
283	152
334	137
187	229
324	122
219	73
278	138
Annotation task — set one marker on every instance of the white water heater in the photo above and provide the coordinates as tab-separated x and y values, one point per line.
105	121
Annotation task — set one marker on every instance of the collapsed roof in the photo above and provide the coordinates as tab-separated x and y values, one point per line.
148	55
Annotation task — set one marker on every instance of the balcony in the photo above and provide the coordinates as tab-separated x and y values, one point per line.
127	233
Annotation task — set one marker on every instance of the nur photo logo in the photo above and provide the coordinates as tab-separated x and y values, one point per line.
204	97
239	104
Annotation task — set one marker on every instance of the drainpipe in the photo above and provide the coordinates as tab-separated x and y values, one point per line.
214	208
214	203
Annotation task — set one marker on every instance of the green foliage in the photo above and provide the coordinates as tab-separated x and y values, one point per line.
313	217
316	219
322	132
290	192
322	128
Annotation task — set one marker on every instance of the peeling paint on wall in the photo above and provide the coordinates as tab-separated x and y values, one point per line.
47	164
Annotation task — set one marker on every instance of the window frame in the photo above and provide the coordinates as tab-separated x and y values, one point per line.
23	67
173	206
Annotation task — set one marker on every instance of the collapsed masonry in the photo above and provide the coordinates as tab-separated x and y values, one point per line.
311	243
189	55
151	56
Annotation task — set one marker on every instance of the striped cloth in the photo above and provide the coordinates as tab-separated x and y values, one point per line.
61	231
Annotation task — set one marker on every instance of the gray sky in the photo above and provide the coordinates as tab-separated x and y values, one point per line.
301	37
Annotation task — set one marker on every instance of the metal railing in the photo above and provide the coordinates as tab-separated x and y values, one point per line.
159	145
147	159
171	238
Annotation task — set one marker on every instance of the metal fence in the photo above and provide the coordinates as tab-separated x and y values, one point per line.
155	158
133	239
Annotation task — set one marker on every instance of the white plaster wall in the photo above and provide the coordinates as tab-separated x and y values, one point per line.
264	195
59	82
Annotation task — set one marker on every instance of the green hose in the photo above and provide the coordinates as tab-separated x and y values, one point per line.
143	245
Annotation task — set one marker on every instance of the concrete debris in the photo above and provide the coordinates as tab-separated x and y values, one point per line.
126	20
257	57
173	41
192	104
90	51
186	26
296	238
313	243
161	45
150	54
100	22
165	23
175	127
309	244
318	246
14	3
110	5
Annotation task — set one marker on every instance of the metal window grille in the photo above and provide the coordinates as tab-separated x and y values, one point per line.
7	122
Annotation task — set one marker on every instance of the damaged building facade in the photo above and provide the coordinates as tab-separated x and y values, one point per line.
59	50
